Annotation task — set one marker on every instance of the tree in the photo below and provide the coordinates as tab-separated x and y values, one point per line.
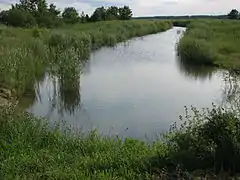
87	18
234	14
99	14
18	17
28	6
35	7
53	10
112	13
125	13
70	15
83	17
54	16
3	17
42	15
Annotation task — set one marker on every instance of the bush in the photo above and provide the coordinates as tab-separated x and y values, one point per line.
206	141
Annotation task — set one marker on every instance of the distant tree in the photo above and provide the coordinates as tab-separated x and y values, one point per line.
54	16
34	7
29	6
83	17
125	13
3	17
18	17
234	14
42	14
87	18
53	10
112	13
99	14
70	15
33	12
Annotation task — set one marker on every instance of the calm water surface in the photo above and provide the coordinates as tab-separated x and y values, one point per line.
136	89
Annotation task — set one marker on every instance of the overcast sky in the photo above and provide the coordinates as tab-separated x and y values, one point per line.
149	7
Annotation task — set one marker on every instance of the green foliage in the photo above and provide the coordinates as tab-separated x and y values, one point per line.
111	13
17	17
212	42
28	13
206	141
234	14
27	53
70	15
125	13
196	51
30	149
99	14
36	33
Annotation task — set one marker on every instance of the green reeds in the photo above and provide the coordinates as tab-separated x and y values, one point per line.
212	42
27	53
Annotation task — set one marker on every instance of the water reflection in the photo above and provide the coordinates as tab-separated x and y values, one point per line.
70	97
196	71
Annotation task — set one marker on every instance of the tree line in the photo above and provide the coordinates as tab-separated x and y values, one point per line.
28	13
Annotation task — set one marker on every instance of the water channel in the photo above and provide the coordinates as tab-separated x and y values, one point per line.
135	89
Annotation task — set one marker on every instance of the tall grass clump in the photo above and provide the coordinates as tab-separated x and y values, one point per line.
31	149
21	65
196	51
212	42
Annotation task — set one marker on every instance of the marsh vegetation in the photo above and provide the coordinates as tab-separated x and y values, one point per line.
205	143
211	42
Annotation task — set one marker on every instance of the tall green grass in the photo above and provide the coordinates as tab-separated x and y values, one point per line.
211	42
27	53
31	149
205	144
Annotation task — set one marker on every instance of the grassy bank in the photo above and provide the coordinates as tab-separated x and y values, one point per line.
211	42
206	143
26	53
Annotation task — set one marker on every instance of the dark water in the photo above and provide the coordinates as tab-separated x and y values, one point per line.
137	89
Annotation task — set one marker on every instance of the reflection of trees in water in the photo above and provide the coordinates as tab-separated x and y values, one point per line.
195	71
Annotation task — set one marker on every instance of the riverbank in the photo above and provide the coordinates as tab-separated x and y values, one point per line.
32	149
26	54
211	42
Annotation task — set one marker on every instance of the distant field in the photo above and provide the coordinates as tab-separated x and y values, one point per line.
212	42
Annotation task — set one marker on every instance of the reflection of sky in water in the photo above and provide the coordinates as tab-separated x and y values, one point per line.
137	85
